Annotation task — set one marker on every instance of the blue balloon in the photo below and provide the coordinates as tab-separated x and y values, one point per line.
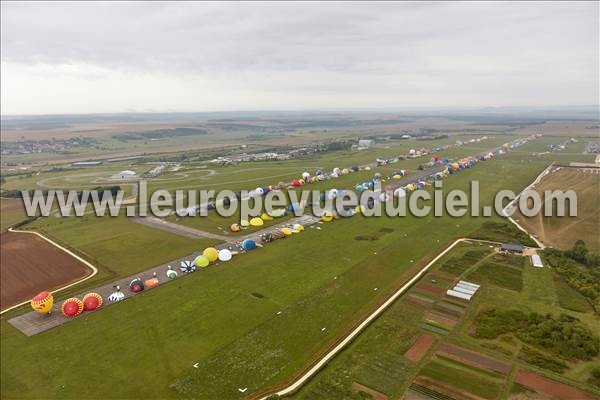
248	244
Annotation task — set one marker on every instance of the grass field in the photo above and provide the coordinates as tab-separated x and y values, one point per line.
500	270
11	212
216	319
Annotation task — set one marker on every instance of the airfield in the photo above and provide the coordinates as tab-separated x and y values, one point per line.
253	326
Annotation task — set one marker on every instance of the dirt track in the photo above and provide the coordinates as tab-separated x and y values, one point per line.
30	264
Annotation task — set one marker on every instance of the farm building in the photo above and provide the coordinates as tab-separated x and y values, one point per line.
536	261
512	248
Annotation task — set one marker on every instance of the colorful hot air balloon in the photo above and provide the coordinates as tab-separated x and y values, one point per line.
42	302
152	282
136	285
235	228
71	307
211	253
171	274
117	295
92	301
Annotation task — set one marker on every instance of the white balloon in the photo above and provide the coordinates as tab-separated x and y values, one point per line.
332	194
225	255
400	192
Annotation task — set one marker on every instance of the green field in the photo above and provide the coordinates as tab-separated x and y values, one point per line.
213	318
259	319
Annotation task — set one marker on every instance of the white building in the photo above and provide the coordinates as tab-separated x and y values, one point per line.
536	261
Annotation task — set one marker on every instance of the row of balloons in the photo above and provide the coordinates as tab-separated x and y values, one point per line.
72	307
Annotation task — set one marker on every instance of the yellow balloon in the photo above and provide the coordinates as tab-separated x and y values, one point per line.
201	262
327	216
286	231
266	217
211	253
256	222
43	302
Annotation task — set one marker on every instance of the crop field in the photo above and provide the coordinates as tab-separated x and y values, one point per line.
471	374
30	265
563	232
500	270
11	212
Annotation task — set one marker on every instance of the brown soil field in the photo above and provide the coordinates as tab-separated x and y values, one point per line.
430	288
473	359
370	392
29	265
422	301
445	389
440	319
550	388
420	347
563	232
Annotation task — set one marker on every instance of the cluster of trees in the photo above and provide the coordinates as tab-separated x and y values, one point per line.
563	335
580	268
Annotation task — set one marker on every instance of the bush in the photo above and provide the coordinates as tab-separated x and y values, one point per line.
564	336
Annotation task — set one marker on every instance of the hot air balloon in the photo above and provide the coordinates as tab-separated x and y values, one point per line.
305	176
235	228
201	262
327	216
211	253
187	266
400	192
42	302
259	191
225	255
71	307
92	301
171	274
345	171
266	217
117	295
332	194
256	221
286	231
296	183
136	285
337	171
297	228
248	244
152	282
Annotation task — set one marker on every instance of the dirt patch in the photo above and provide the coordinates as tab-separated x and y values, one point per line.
420	347
430	288
440	319
473	359
367	390
550	388
29	264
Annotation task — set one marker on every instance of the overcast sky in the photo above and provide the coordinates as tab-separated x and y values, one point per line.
122	57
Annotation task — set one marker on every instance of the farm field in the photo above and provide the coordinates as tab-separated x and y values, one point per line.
375	360
30	265
11	212
563	232
287	276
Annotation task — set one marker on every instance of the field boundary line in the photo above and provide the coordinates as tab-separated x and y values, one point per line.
69	252
299	382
